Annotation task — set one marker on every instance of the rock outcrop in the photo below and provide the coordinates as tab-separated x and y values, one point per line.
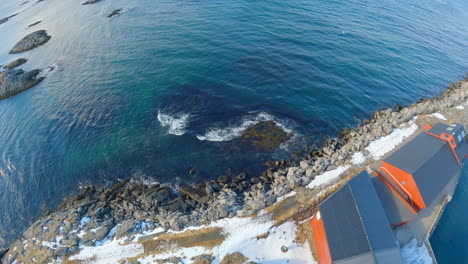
15	63
31	41
15	81
115	12
90	2
35	23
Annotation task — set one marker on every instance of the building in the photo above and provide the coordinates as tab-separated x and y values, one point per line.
421	173
351	227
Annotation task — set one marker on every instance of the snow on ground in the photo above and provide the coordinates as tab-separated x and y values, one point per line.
459	107
439	116
328	177
358	158
240	236
289	194
109	253
411	253
383	145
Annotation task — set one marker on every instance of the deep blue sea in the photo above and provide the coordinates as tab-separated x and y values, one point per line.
169	85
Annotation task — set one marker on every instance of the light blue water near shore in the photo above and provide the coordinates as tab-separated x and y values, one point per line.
167	85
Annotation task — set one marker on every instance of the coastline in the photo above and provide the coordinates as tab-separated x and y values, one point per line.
132	211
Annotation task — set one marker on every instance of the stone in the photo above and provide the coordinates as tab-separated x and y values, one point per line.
30	42
115	12
90	2
15	63
35	23
202	259
15	81
5	19
198	193
234	258
303	164
102	232
125	228
387	128
60	251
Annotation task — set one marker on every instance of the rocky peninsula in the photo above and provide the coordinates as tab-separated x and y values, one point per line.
144	221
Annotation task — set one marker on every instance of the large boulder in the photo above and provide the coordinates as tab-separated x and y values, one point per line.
31	41
15	81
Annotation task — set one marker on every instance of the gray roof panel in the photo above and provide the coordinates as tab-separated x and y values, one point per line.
373	216
343	227
394	208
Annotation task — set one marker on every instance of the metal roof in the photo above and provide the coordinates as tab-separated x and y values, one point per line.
395	209
430	160
355	223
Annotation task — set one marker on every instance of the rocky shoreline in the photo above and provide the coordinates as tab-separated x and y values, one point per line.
132	207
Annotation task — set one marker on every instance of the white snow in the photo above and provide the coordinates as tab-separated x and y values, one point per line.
411	253
327	177
383	145
439	116
84	220
289	194
241	236
459	107
358	158
110	252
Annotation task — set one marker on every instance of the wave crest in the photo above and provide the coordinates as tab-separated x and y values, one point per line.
232	132
176	123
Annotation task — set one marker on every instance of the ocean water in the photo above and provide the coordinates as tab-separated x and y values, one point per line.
169	85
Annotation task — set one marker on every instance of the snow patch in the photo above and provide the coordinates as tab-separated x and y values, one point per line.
358	158
176	123
383	145
411	253
327	177
439	116
459	107
109	253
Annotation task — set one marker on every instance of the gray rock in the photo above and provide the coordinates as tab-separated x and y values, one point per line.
31	41
35	23
15	81
304	164
125	228
60	252
198	193
115	12
3	20
203	259
90	2
15	63
101	233
387	128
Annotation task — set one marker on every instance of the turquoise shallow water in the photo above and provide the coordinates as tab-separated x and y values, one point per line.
168	85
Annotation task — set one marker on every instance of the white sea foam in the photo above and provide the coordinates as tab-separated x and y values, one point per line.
176	123
232	132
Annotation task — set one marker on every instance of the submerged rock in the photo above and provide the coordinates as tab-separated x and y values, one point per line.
265	136
90	2
115	12
5	19
31	41
13	82
35	23
15	63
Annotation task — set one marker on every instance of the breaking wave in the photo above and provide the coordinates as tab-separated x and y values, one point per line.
176	123
232	132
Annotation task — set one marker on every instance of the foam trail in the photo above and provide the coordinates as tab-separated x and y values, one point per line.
232	132
176	124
